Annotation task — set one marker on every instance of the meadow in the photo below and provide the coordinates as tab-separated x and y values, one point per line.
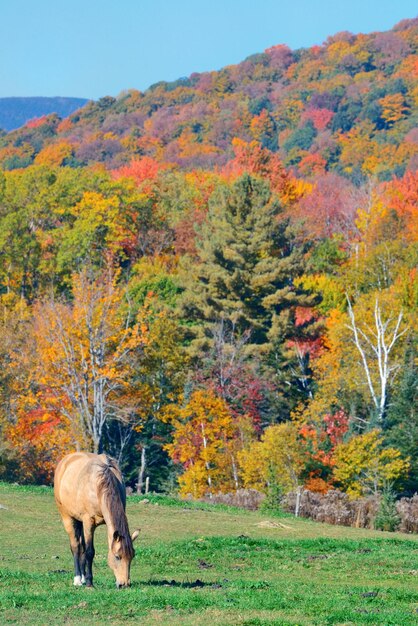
198	564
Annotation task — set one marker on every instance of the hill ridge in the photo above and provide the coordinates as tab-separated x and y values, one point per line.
348	106
16	111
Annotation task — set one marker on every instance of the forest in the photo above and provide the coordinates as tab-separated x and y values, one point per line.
215	280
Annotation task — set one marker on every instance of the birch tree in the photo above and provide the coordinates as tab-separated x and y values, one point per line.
87	352
375	345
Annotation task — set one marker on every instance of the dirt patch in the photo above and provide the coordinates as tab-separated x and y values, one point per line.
270	524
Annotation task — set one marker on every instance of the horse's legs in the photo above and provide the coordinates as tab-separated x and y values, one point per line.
89	529
82	554
74	529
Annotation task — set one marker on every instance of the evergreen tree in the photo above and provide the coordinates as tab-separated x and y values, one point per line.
402	419
247	264
387	517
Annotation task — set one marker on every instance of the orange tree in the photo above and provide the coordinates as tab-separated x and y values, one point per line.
40	436
204	443
320	439
87	352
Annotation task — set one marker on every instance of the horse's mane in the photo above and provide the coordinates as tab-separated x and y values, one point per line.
112	490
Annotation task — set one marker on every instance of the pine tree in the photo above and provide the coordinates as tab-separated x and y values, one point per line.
247	264
402	419
387	517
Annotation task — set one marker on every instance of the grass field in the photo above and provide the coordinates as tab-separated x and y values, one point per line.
200	564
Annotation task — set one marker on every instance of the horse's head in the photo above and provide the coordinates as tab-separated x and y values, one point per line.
121	553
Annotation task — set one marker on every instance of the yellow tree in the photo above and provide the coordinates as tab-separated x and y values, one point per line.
32	438
15	364
376	346
158	382
204	438
87	352
393	108
277	459
363	465
363	354
54	154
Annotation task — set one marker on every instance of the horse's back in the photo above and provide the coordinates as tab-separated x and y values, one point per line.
76	483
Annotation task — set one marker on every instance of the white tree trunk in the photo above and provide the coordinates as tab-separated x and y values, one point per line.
375	346
141	472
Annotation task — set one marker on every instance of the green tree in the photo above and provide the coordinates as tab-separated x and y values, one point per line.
246	270
387	517
402	419
301	138
37	207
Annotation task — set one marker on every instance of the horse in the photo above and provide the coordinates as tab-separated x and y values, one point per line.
89	491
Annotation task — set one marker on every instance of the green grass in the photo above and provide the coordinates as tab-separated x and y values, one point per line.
202	564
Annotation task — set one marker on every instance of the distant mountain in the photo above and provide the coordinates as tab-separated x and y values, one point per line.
15	112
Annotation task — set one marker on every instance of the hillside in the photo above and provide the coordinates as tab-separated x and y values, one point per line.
215	280
348	105
16	112
197	564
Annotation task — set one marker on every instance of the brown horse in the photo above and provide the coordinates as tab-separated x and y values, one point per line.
89	491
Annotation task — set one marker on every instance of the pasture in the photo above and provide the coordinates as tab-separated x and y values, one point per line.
199	564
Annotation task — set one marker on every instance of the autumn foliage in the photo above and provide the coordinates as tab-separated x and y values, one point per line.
215	280
204	443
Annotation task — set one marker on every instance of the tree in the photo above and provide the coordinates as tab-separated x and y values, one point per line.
204	438
228	372
377	345
364	465
402	418
41	436
277	459
88	352
16	362
301	138
253	159
263	130
393	108
403	197
38	208
321	118
246	271
159	381
329	208
144	171
54	154
320	440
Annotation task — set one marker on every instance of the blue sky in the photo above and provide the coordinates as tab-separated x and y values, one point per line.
92	48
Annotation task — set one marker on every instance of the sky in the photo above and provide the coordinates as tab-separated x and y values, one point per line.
93	48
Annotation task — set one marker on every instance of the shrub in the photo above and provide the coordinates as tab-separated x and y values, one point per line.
387	517
407	509
250	499
274	496
334	507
